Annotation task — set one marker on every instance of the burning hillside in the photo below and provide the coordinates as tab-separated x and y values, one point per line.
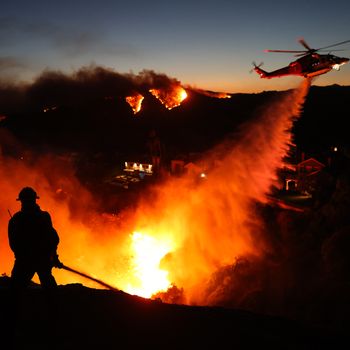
53	89
170	98
91	111
135	102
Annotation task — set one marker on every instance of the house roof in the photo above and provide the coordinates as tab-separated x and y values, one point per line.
312	162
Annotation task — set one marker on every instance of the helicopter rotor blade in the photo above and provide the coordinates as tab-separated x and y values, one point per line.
331	50
287	51
303	42
326	47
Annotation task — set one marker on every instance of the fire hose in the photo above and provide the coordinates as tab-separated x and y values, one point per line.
60	265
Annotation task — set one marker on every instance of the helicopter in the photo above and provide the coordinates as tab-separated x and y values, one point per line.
310	63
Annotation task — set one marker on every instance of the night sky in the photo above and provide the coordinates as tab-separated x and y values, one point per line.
209	45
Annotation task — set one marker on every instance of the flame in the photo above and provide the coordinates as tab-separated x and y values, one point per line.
221	95
170	98
135	102
49	109
147	254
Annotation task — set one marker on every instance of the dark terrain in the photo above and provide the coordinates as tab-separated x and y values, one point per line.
95	319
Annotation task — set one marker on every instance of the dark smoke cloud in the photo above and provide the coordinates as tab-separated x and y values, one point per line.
86	84
150	79
55	87
82	111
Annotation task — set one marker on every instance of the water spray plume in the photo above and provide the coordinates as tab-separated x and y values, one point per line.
214	223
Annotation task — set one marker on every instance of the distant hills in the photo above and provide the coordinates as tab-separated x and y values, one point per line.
325	118
107	123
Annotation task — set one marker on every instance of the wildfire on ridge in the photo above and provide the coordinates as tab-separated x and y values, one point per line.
49	109
135	102
170	98
221	95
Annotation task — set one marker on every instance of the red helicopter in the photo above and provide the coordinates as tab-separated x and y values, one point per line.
309	65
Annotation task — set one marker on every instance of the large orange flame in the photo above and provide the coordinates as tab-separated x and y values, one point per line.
135	102
187	228
170	97
147	254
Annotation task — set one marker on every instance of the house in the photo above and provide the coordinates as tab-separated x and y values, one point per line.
302	176
307	172
193	169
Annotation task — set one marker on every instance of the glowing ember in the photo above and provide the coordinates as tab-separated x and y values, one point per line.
135	102
49	109
221	95
170	98
148	253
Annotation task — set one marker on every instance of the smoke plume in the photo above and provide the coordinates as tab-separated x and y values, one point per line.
55	88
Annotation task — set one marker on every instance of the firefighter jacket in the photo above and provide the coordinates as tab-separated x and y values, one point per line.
31	234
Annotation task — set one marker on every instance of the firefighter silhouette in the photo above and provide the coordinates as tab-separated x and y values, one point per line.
33	241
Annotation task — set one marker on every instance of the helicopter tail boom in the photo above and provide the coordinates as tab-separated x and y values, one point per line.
261	72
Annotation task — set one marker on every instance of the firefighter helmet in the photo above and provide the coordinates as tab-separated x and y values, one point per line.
27	193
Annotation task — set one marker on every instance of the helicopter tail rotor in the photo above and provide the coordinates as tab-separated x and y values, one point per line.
256	66
261	72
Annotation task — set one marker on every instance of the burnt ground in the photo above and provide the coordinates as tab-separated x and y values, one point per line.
85	318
